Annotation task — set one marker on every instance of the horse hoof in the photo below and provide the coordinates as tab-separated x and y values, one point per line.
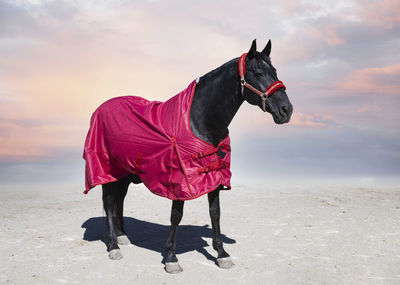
115	254
123	240
173	267
225	262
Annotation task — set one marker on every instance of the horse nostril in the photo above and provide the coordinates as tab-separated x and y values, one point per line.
284	110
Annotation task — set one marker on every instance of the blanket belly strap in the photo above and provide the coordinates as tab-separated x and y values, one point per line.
217	165
201	154
210	151
138	163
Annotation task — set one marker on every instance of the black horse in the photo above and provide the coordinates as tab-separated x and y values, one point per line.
217	98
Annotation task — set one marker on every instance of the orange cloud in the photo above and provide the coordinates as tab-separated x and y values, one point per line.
24	140
380	80
57	71
58	74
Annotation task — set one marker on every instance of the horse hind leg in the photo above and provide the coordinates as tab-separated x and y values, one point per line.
113	197
122	238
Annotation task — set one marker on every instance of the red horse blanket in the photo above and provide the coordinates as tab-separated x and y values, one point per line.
154	141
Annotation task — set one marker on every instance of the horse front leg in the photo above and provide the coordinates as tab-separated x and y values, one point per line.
223	259
171	262
113	196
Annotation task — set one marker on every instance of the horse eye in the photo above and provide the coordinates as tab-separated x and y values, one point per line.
258	73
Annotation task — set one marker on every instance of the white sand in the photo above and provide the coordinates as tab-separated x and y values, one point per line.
334	235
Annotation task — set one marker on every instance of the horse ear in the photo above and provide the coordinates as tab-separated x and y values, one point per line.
267	49
253	50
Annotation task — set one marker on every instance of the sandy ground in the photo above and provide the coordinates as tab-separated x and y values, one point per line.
337	235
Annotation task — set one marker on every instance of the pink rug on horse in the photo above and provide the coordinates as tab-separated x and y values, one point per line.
131	135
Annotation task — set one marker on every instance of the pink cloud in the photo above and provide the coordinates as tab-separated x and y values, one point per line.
313	120
381	80
13	142
61	76
21	140
384	13
369	108
331	37
327	33
290	7
302	44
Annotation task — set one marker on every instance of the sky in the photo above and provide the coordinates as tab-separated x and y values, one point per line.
340	61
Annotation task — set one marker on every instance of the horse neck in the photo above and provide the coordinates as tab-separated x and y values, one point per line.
216	100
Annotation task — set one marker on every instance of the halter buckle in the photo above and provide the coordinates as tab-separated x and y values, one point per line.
264	98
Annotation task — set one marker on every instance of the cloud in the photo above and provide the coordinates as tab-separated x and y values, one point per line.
383	13
377	80
290	8
349	31
313	120
60	59
369	108
314	152
331	37
30	141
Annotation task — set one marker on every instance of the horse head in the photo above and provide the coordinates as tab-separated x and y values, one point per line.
257	73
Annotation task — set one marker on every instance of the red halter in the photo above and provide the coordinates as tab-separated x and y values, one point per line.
264	95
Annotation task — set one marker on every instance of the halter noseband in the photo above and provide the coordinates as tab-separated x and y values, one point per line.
264	95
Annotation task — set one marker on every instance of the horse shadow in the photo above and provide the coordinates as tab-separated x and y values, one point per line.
153	236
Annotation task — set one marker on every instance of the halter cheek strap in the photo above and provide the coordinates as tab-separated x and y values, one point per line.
264	95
